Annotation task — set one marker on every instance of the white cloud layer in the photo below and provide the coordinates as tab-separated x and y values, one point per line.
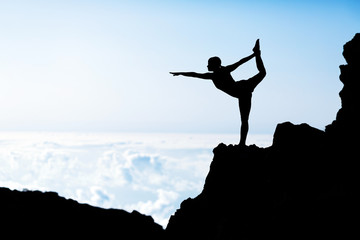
151	173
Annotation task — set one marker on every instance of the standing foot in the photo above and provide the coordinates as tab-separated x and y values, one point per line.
242	145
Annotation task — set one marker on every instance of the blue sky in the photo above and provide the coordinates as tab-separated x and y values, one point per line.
103	65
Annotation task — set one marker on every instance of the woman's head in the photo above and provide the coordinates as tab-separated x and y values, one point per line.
214	63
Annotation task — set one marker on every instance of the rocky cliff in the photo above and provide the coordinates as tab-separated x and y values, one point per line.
39	215
344	129
305	186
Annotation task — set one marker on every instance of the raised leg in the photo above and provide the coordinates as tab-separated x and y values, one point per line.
260	64
255	80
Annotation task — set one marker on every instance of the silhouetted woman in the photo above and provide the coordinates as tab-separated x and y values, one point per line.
241	90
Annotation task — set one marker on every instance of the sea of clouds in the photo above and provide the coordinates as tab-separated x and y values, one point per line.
150	173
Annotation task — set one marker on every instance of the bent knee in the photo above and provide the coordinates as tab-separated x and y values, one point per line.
262	74
259	77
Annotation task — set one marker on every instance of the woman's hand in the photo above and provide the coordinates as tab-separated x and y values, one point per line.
175	73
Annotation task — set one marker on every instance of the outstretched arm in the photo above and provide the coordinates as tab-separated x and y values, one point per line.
234	66
193	74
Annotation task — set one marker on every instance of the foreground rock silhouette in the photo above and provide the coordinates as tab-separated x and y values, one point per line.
39	215
305	186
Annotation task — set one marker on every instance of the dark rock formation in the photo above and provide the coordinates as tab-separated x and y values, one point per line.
38	215
295	189
305	186
346	126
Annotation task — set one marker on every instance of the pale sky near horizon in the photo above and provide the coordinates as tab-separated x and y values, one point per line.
104	65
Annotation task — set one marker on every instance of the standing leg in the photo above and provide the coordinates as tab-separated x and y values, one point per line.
244	106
